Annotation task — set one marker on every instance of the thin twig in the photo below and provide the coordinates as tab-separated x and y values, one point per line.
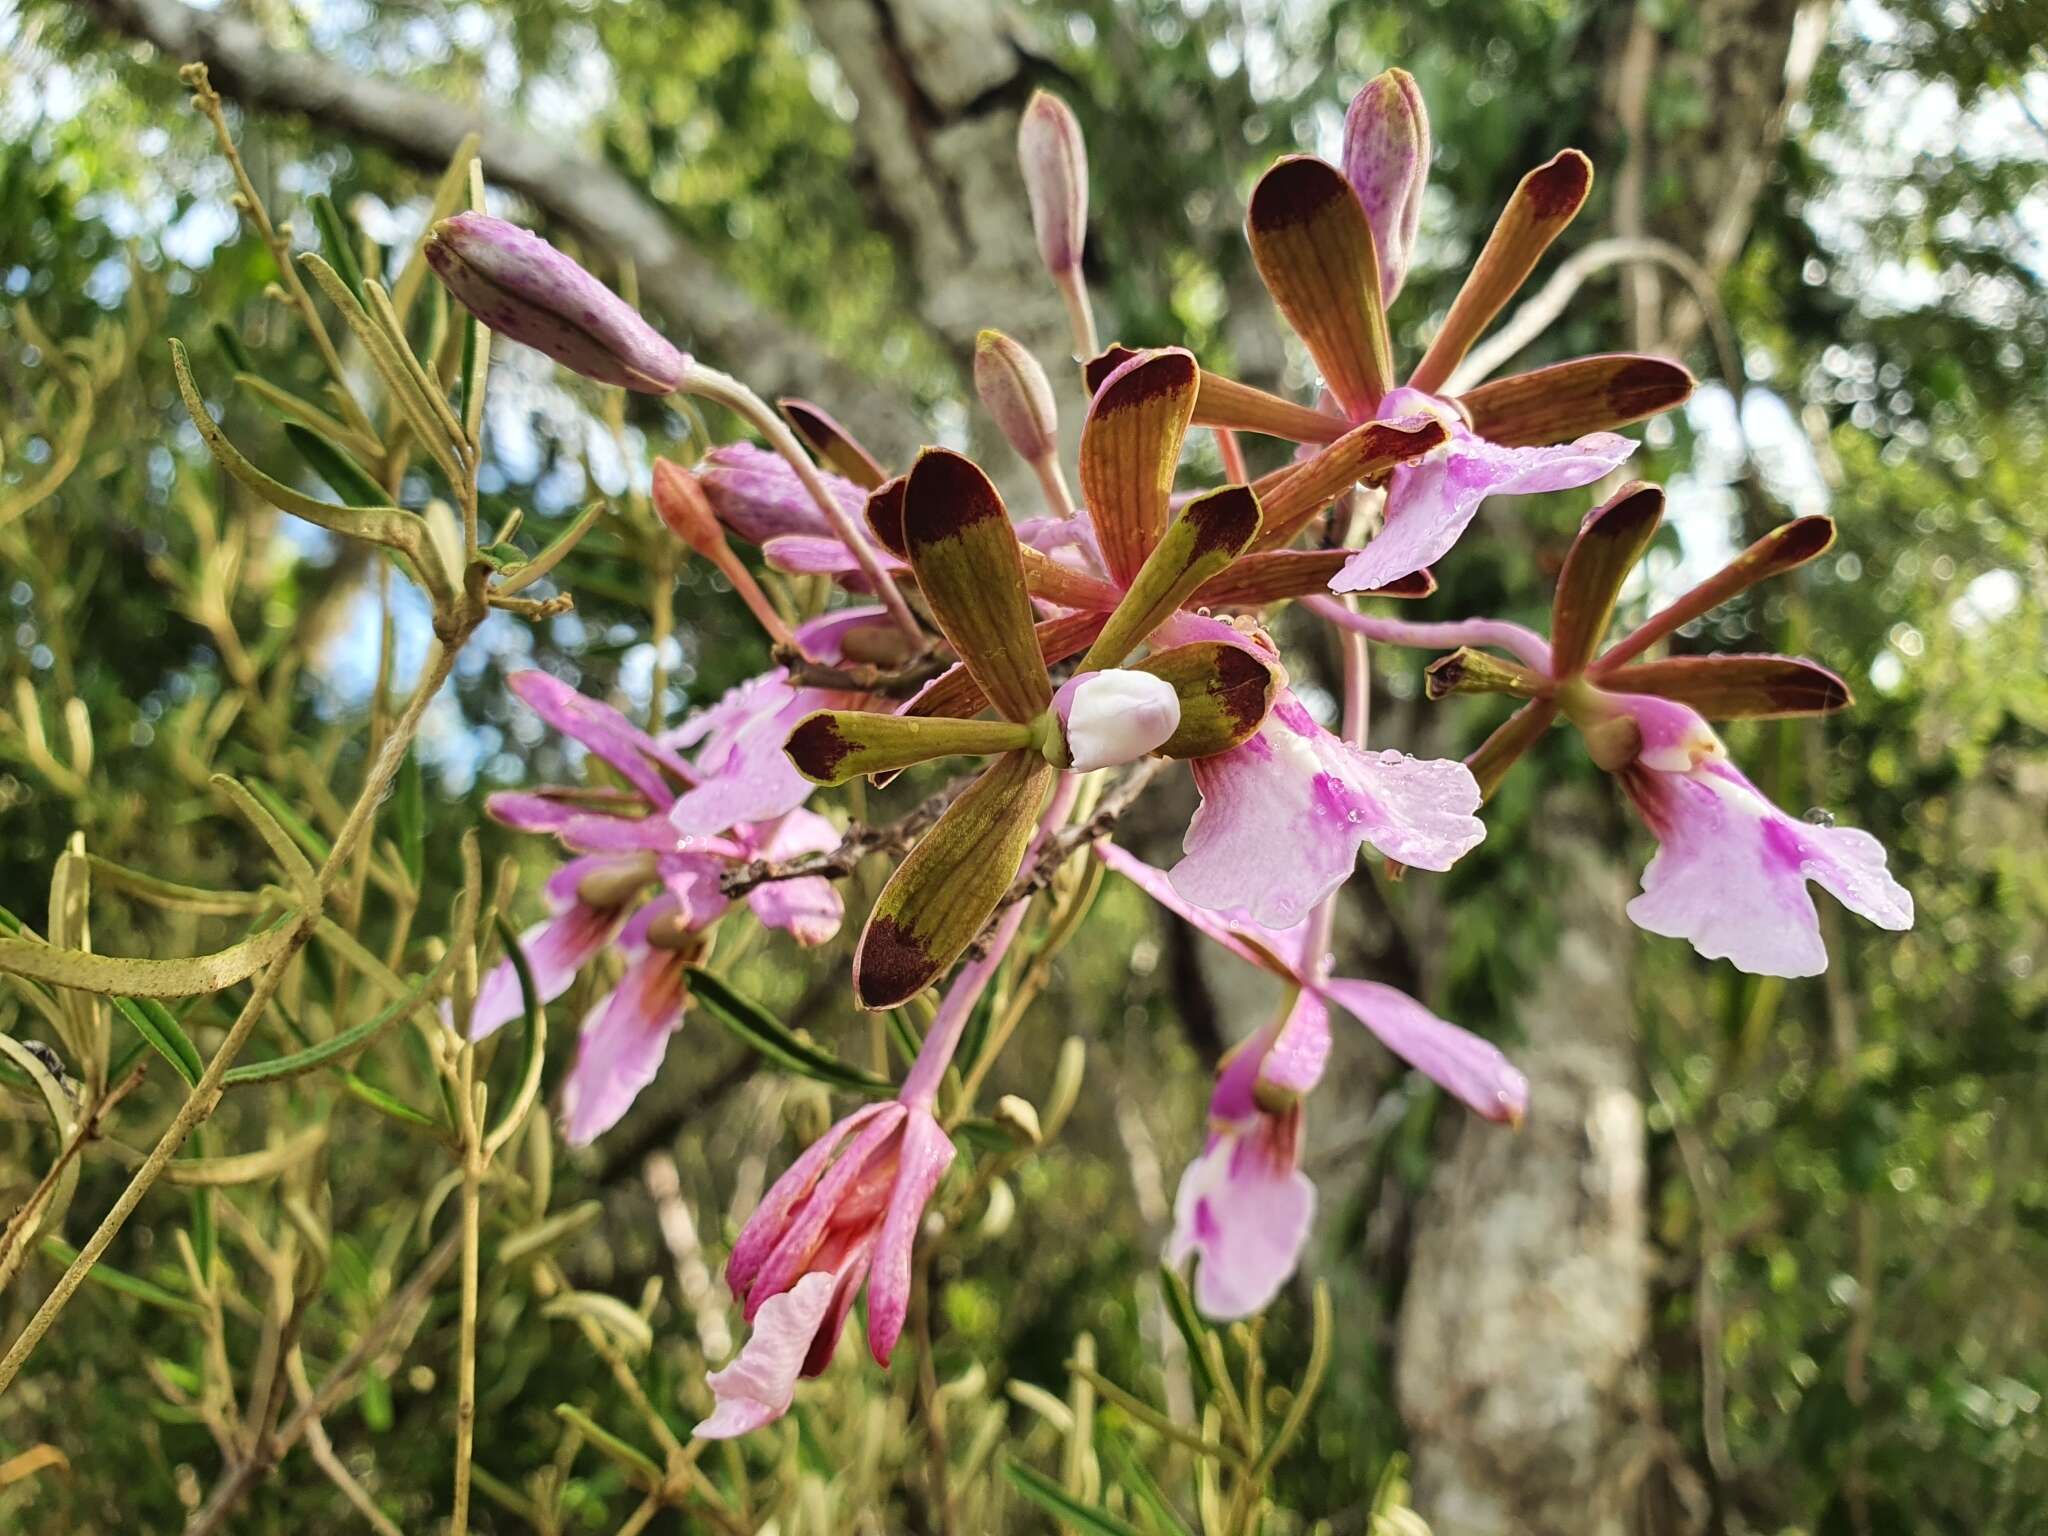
244	1476
857	844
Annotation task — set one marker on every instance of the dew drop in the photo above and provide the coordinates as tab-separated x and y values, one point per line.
1819	817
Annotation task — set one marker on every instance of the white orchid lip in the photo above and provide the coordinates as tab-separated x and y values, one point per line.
1115	716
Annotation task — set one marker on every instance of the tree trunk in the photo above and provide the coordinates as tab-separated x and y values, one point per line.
1526	1308
942	85
1525	1321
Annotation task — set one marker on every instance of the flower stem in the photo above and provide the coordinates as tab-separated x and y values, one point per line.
752	409
1524	644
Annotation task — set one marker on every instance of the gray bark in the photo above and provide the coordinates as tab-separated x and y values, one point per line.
942	85
1526	1309
705	309
1525	1322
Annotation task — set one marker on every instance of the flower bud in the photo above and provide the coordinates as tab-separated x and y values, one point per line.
1055	162
1386	160
681	504
1018	395
522	287
1114	716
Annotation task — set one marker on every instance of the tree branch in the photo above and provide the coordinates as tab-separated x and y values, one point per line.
602	205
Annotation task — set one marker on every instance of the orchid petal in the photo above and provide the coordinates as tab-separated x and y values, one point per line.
1282	818
625	1035
757	1388
927	1154
1247	1216
1469	1068
1429	504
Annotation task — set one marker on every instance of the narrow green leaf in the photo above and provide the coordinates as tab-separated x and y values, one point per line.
314	1056
344	476
302	830
341	249
1136	1481
108	974
533	1034
1057	1502
768	1035
154	1022
410	810
631	1457
388	1104
1180	1306
119	1280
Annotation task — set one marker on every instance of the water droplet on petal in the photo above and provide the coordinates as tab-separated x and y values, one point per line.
1819	817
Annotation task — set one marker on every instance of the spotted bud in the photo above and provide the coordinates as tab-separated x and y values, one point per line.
522	287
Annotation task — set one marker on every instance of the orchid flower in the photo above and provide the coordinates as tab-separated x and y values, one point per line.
645	876
1244	1205
946	521
1333	248
846	1213
1731	868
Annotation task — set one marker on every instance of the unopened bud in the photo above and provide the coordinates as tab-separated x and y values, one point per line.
1019	1118
1114	716
1018	395
522	287
681	504
1054	158
1386	160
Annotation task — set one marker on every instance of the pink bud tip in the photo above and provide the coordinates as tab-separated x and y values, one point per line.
1017	394
1054	158
522	287
1386	160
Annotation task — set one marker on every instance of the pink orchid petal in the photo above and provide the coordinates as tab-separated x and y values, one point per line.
1282	818
691	878
616	834
1731	869
756	494
1471	1069
604	731
744	775
869	1152
811	909
625	1035
825	636
1432	501
927	1154
1302	1050
765	1227
1255	945
1246	1215
556	949
758	1386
